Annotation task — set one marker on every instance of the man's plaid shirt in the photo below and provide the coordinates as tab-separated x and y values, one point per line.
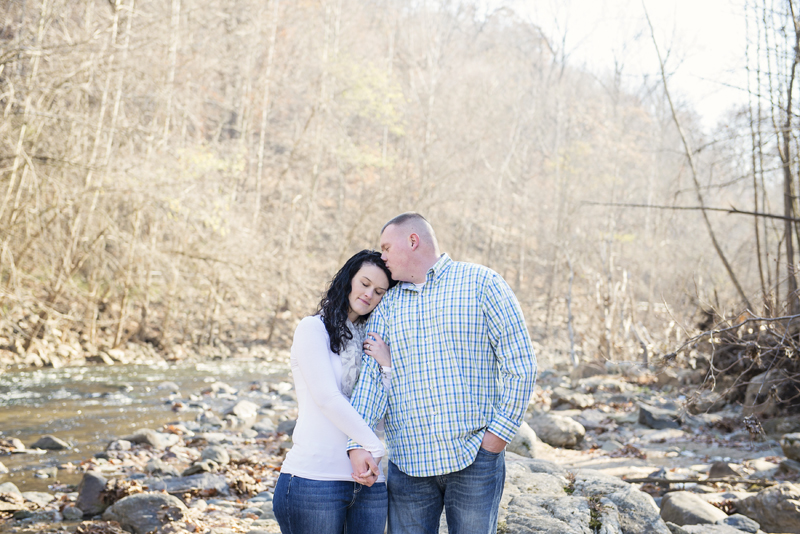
462	363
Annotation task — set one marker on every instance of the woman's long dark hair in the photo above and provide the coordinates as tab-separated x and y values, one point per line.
335	305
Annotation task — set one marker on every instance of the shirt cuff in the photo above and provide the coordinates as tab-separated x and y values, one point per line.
503	427
353	445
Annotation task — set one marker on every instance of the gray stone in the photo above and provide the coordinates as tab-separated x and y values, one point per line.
157	467
777	509
203	466
611	445
244	409
790	443
741	522
119	445
265	426
51	443
721	469
39	498
790	467
711	529
558	431
178	485
3	469
524	442
675	529
757	398
686	508
544	498
287	427
92	484
72	513
9	487
139	513
779	426
14	444
47	472
11	500
216	454
561	396
657	418
155	439
210	418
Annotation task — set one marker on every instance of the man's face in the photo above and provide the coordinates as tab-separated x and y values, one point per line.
396	252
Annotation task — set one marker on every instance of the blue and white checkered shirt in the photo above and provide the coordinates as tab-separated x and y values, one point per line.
462	363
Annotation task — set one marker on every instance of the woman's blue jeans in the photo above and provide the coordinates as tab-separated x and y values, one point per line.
304	506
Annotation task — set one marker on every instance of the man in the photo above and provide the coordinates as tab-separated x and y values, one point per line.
463	372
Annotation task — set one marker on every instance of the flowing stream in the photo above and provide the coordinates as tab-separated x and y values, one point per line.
92	405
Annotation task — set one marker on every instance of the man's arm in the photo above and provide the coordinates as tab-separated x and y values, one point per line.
370	400
512	346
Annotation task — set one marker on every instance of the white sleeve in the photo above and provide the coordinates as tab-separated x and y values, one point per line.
311	351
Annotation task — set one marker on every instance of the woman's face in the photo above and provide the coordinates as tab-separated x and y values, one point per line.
367	288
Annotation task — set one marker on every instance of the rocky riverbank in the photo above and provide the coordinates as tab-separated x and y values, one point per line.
616	452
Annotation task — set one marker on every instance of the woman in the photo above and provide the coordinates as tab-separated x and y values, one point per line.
315	492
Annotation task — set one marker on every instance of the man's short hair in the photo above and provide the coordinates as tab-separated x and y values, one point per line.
407	217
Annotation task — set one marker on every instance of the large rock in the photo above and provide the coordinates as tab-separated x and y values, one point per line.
157	440
757	398
139	513
89	501
216	454
40	498
50	443
790	443
524	443
741	523
160	468
686	508
10	487
563	396
557	430
3	469
658	418
777	509
542	497
244	409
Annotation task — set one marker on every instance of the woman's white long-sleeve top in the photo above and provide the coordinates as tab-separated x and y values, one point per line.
325	417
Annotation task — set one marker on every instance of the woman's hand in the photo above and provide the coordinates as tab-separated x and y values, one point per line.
375	347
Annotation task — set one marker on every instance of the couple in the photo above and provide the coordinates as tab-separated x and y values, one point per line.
450	370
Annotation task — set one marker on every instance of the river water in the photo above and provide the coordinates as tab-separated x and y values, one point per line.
92	405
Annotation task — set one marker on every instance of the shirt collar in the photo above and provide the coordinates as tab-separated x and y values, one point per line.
436	271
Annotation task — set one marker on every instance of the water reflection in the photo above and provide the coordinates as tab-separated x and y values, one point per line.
90	406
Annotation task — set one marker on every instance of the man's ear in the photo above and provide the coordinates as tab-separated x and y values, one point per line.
413	240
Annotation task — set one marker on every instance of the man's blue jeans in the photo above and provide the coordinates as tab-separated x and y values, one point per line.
304	506
470	498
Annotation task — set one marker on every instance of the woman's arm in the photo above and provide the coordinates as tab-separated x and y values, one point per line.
310	349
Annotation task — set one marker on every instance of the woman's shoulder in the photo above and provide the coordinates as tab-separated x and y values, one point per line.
310	323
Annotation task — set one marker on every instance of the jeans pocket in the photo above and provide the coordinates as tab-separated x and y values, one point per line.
491	454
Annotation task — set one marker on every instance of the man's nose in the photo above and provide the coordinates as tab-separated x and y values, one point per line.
383	256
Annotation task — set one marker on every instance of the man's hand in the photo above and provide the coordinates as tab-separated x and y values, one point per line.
365	470
492	443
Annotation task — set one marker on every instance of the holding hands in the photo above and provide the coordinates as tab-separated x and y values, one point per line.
365	470
376	347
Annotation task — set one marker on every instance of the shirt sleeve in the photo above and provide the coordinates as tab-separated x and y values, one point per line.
513	350
370	398
312	352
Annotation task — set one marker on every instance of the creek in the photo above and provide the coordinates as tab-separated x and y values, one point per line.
90	406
